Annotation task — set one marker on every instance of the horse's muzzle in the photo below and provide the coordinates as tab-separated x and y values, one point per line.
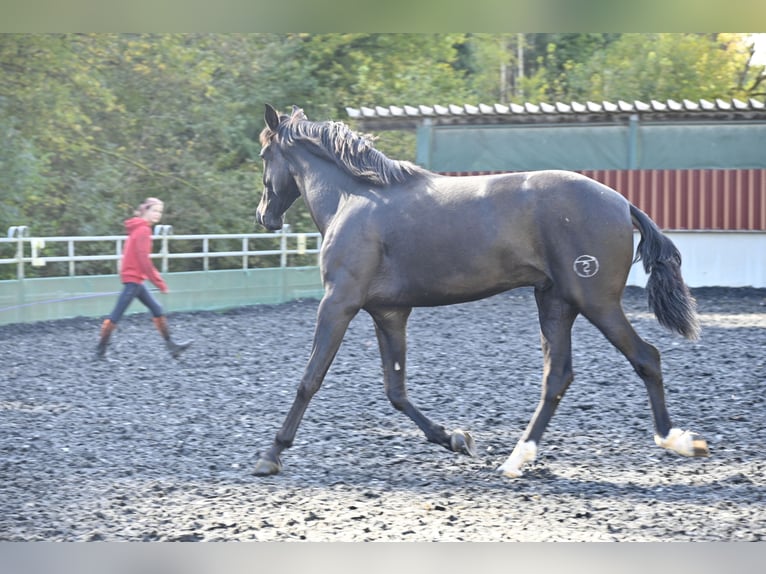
270	223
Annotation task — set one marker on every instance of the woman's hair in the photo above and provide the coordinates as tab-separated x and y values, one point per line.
147	203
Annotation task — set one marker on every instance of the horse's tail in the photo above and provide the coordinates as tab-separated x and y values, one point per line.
669	296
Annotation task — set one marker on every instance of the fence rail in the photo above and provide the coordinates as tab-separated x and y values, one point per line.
30	250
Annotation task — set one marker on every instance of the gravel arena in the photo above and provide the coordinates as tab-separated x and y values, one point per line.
140	447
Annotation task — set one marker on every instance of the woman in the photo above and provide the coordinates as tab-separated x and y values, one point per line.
135	268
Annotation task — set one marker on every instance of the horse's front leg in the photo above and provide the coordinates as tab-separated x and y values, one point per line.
391	330
333	318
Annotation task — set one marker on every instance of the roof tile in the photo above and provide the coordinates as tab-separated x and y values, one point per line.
556	109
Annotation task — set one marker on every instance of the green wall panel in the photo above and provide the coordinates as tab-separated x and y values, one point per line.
44	299
576	147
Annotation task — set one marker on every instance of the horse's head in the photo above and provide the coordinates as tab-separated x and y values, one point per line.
279	187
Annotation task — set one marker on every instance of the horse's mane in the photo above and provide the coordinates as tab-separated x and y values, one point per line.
354	153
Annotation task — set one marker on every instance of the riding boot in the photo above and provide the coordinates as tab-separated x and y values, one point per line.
107	328
175	348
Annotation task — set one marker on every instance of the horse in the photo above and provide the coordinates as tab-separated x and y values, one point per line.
397	236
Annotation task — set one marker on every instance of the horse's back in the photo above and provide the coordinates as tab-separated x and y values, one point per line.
553	204
549	191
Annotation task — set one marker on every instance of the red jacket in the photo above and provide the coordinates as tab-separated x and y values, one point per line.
136	264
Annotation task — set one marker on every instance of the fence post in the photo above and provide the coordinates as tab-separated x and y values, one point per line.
245	245
163	231
283	246
118	252
70	251
19	232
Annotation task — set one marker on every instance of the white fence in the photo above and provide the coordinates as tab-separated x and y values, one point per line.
30	250
710	258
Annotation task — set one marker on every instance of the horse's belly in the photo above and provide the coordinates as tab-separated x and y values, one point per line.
428	286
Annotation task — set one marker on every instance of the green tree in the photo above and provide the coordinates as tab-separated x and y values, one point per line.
663	66
44	92
609	66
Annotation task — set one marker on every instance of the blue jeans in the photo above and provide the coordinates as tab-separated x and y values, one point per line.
132	291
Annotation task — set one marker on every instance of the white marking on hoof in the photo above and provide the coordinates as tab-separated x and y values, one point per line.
523	453
685	443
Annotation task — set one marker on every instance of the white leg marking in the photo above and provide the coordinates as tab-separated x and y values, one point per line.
679	441
397	366
523	452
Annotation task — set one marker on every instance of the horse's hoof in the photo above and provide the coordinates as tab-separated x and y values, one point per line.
523	452
700	447
461	441
508	472
266	467
683	442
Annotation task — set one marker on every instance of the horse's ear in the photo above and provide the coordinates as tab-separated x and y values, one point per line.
298	113
272	118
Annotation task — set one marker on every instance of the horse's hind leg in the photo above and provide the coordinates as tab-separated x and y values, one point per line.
391	330
645	359
556	320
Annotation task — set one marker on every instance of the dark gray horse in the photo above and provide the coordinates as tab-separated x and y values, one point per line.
396	236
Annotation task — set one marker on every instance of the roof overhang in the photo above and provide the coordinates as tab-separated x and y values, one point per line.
411	117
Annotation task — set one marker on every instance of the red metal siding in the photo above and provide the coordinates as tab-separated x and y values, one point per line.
722	199
719	199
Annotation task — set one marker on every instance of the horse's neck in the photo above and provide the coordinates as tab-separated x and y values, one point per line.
323	188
